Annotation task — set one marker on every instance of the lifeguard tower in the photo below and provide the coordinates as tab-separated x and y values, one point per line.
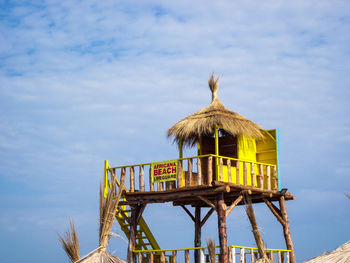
237	161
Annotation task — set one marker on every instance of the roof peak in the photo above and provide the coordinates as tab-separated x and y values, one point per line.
214	85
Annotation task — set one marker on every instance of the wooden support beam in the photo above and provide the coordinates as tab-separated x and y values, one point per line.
258	239
237	173
207	216
229	176
174	256
286	230
206	201
275	211
221	211
151	185
234	204
188	212
179	174
197	234
136	212
210	170
132	179
189	174
121	211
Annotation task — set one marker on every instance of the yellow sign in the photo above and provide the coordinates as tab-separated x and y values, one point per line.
164	171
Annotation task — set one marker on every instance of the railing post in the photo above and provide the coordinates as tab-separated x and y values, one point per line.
233	254
174	256
179	174
150	258
210	169
162	257
275	187
244	173
187	256
142	179
268	177
242	256
229	179
139	256
199	171
201	256
252	174
151	186
237	173
261	176
252	256
221	163
279	257
132	179
189	173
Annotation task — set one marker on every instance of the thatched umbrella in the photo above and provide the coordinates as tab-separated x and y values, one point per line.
108	208
204	121
340	255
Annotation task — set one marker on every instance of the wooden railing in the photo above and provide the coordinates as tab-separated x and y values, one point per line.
200	171
236	254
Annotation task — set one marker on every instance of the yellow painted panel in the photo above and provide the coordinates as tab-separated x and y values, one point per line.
234	174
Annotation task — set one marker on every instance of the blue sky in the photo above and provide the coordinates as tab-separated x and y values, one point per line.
85	81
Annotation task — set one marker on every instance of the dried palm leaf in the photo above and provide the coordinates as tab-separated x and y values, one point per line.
70	243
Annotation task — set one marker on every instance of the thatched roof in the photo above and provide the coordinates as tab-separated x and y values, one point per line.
204	121
107	207
340	255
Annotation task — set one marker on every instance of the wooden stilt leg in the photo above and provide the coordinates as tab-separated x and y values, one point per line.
221	210
197	233
286	230
258	239
136	212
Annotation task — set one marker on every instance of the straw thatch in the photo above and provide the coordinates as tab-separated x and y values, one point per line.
204	121
70	243
212	250
108	208
340	255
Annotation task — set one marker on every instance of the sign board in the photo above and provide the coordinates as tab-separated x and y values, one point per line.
164	171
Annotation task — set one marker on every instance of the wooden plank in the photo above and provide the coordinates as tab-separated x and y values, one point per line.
189	174
199	171
174	256
242	256
229	171
252	174
187	256
268	177
244	173
132	179
142	179
210	170
179	174
234	204
237	173
151	185
221	163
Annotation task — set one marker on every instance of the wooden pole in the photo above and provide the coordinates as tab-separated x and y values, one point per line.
221	211
197	233
136	212
286	230
258	239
